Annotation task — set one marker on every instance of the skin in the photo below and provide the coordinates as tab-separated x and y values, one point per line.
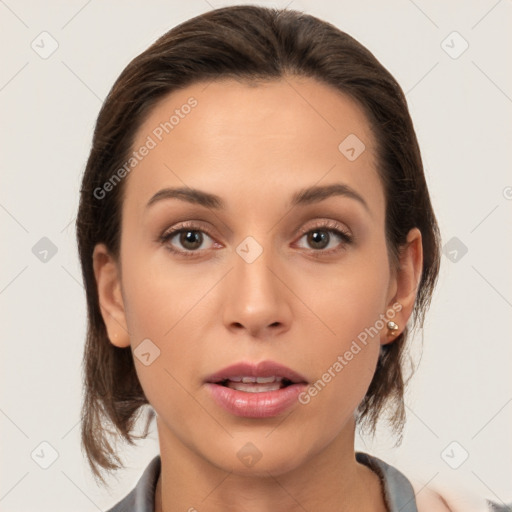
254	147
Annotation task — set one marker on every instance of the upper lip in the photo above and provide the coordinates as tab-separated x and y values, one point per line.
261	369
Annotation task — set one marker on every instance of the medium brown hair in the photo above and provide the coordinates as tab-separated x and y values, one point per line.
252	44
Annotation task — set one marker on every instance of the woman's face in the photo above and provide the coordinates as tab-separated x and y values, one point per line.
259	274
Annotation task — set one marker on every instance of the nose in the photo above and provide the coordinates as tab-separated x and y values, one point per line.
257	298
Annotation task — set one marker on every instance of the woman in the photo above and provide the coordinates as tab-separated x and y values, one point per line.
257	240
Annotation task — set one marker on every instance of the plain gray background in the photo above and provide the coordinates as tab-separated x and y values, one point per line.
460	401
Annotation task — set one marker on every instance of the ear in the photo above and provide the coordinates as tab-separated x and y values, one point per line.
404	285
108	281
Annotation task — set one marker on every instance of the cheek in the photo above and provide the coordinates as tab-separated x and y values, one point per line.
158	295
345	355
165	311
350	299
160	317
167	306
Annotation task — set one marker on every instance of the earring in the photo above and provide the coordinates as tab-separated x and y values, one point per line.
393	327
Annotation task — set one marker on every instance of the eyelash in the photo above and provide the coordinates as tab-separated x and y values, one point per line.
329	226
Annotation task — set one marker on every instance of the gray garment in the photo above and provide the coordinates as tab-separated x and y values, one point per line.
398	492
497	507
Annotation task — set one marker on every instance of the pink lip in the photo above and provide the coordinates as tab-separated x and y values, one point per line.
255	405
261	369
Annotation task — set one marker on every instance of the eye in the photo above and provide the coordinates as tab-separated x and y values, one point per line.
187	239
321	237
187	235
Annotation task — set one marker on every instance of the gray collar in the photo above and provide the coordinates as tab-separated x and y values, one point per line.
398	491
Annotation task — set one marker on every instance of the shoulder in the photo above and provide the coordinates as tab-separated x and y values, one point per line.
447	497
428	500
404	493
142	496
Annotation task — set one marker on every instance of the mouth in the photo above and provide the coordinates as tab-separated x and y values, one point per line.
253	390
256	377
255	384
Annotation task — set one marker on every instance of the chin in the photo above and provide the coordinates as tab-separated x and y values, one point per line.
259	459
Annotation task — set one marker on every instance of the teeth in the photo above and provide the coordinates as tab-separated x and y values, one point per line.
252	387
265	380
254	384
259	380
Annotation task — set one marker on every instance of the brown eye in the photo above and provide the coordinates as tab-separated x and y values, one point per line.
190	240
185	240
320	237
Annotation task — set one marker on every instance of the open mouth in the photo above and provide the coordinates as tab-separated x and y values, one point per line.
256	384
255	390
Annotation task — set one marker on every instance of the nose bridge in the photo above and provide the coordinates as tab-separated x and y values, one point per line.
256	298
253	278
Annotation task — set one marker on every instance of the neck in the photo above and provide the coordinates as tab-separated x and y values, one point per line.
329	480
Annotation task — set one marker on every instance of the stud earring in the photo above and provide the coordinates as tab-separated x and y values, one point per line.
393	328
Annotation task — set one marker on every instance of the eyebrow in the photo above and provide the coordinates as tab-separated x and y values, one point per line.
302	197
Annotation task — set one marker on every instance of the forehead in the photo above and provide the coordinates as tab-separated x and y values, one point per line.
226	134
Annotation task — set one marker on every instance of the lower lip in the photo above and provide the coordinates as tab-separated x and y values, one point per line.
255	405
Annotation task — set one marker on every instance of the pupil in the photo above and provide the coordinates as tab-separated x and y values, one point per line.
318	236
191	237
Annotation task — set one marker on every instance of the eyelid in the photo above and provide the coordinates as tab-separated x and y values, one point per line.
186	226
323	224
192	225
